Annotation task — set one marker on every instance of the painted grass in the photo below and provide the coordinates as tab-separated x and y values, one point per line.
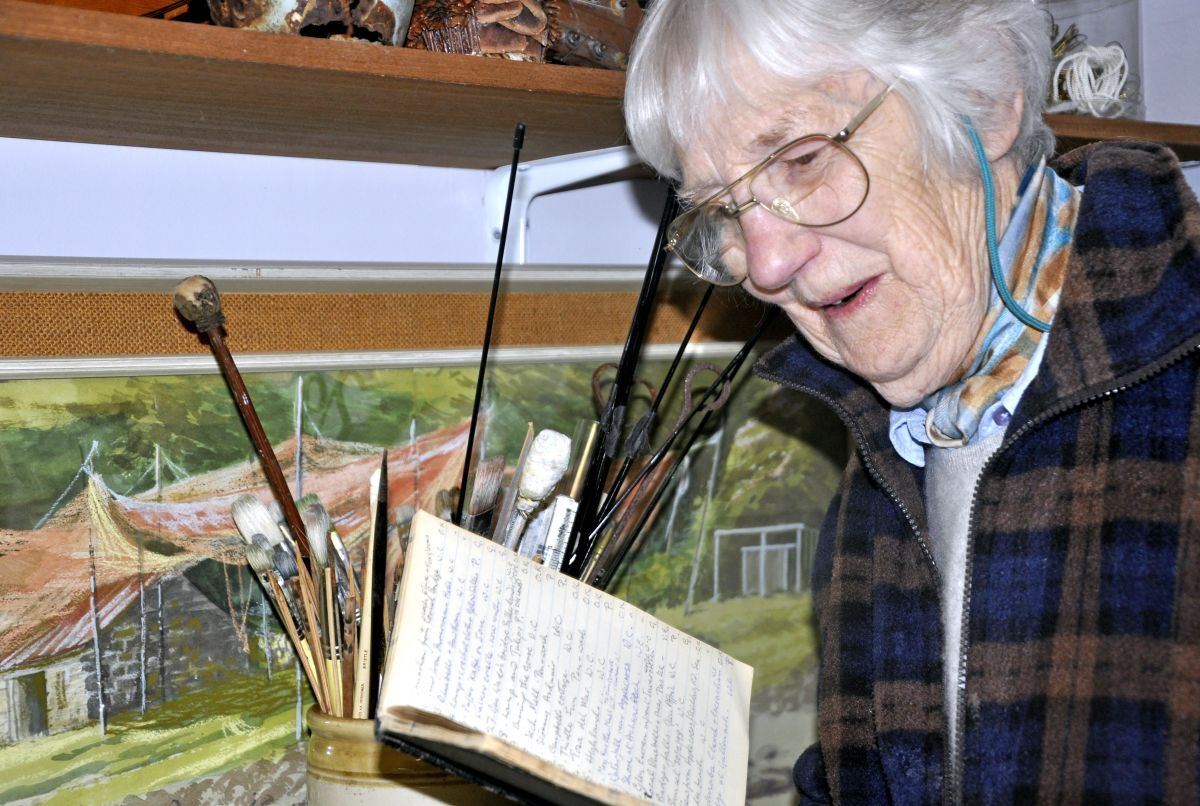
775	634
186	739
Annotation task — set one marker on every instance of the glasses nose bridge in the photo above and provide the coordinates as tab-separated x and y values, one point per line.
735	211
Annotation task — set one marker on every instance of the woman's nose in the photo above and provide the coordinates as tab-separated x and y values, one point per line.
776	250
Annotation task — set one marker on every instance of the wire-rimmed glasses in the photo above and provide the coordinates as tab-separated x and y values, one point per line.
814	181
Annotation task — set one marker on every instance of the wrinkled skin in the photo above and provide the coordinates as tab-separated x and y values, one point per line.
897	293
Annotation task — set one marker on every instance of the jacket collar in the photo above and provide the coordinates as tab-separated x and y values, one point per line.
1131	301
795	365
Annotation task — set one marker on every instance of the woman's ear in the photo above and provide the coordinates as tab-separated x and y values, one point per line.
999	138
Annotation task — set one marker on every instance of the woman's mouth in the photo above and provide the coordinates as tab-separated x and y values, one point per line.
846	299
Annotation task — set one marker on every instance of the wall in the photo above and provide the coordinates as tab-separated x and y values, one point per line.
1162	41
187	645
73	199
1170	67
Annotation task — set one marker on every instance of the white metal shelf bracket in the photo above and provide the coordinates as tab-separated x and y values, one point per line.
538	177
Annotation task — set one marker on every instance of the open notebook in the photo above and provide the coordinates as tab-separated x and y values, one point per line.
534	684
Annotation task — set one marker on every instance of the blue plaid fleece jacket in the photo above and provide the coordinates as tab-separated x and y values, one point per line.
1081	678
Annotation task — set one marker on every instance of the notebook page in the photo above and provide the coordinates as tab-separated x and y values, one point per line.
570	674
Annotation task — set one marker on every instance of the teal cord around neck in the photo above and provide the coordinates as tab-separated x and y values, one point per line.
989	191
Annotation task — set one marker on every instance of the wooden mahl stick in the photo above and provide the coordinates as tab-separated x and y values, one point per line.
197	301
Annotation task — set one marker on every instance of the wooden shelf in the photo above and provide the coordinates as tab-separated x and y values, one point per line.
1077	130
96	77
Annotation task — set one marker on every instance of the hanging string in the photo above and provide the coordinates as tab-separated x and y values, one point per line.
129	490
84	467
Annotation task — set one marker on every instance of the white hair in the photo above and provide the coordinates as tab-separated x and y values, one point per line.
948	59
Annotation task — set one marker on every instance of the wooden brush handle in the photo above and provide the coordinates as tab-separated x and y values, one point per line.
196	299
301	645
309	606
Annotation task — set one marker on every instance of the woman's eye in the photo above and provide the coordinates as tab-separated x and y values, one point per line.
802	160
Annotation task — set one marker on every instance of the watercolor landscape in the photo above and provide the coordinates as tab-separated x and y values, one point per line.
140	661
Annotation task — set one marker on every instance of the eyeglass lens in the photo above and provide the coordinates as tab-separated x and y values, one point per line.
815	182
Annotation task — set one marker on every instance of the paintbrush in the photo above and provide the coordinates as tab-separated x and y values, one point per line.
325	578
612	420
518	142
260	563
444	503
504	514
639	435
346	613
378	549
197	301
606	567
261	555
316	517
368	662
394	563
485	489
283	572
252	517
344	565
347	582
619	532
562	510
543	469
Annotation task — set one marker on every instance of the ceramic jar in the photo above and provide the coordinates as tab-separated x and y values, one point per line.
346	765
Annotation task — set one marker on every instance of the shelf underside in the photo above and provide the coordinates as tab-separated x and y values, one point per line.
89	76
86	76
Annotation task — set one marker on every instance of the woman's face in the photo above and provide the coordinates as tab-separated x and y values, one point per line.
896	293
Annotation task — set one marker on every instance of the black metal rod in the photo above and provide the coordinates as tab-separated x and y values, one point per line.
615	487
612	421
518	143
727	375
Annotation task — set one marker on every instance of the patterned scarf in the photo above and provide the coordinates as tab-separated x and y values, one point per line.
1033	254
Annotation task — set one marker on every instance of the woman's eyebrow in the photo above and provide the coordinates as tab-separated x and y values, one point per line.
784	129
773	137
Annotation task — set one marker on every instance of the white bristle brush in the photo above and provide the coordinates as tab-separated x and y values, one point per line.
544	468
253	517
485	489
316	526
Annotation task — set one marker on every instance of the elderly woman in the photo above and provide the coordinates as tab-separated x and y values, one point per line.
1008	580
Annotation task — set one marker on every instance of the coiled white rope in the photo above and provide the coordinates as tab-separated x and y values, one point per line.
1092	79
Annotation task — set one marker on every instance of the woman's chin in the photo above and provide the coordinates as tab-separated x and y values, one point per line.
901	392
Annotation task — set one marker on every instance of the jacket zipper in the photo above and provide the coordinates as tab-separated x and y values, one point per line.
952	794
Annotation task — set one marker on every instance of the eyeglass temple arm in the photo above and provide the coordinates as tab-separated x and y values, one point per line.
861	116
